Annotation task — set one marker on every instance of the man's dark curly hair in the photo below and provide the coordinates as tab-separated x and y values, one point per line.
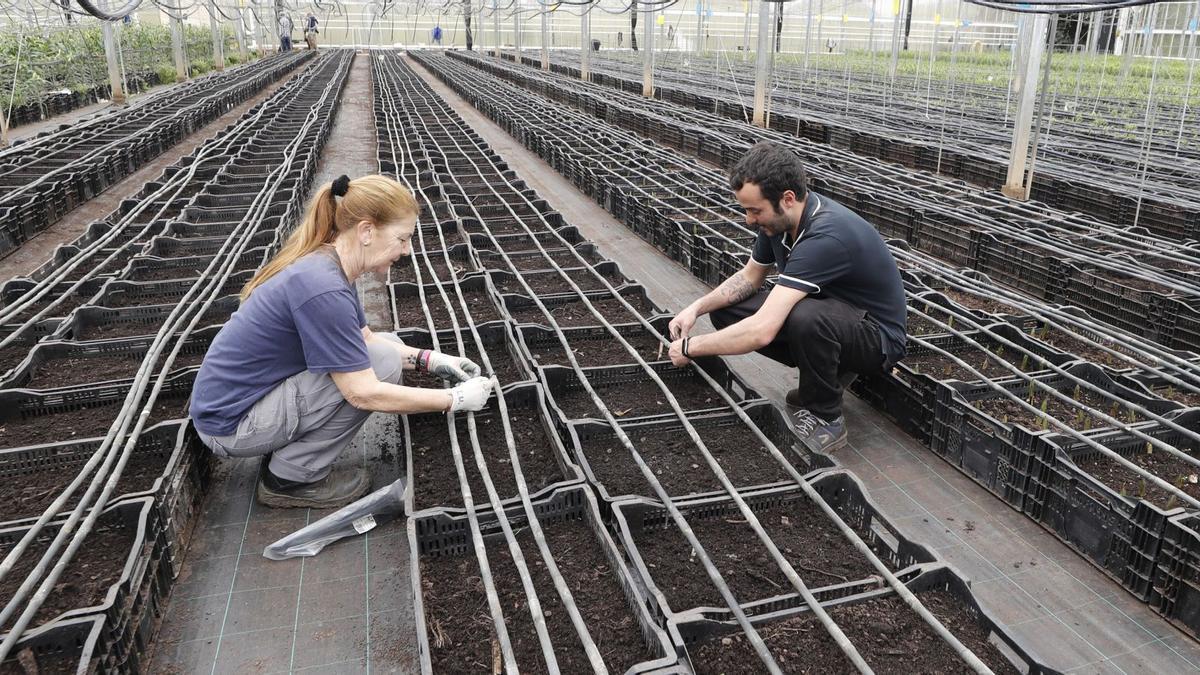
774	169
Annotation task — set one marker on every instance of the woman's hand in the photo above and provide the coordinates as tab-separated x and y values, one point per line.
471	395
453	368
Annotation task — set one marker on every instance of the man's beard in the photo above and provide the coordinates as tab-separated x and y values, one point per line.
776	226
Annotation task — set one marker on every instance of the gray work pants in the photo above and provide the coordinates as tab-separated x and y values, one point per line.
305	422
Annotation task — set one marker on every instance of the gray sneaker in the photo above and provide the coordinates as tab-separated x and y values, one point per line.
818	435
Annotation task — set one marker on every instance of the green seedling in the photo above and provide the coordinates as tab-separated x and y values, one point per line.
1077	394
1079	418
1170	502
1029	395
1142	489
1149	448
1045	421
1025	363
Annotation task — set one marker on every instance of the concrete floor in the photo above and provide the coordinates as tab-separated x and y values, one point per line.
349	608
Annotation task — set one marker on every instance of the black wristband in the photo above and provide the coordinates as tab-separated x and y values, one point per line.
683	349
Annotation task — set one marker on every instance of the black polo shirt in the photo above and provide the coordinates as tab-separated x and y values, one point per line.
839	255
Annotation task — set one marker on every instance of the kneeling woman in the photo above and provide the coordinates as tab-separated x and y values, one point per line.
296	371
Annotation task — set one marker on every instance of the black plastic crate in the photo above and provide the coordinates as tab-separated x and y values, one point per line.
634	294
1119	533
149	318
61	647
840	489
498	341
1175	593
694	631
534	339
1001	456
134	602
562	381
439	534
47	351
766	418
507	283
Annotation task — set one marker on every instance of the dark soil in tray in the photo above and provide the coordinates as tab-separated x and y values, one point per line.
942	367
507	225
1135	283
78	424
63	308
435	481
12	355
37	489
890	637
1008	411
118	300
677	462
93	570
91	263
546	283
120	329
502	364
460	627
422	379
1187	398
1158	462
166	274
919	325
556	258
71	371
1073	345
801	531
602	352
638	398
975	302
572	314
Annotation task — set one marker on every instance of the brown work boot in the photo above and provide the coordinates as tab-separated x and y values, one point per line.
342	486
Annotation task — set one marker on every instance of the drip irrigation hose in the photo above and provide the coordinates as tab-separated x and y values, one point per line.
784	565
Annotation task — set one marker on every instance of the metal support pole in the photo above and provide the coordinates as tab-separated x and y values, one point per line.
585	43
113	57
1031	44
897	12
496	28
762	63
699	26
648	57
218	36
746	31
517	31
181	63
239	29
545	40
1094	27
807	34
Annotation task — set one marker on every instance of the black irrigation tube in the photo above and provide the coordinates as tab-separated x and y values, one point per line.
1069	401
230	138
784	565
206	297
494	498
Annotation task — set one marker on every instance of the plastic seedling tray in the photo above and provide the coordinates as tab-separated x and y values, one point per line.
520	397
522	242
1118	530
635	520
69	646
534	260
184	230
121	293
551	282
171	247
481	298
1175	593
569	312
1000	455
616	385
436	538
542	347
182	468
1005	648
150	268
136	598
608	466
85	321
50	351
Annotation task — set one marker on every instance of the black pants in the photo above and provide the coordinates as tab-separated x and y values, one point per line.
823	338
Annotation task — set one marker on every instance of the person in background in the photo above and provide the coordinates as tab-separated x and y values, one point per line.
837	309
310	31
620	39
285	32
437	35
295	372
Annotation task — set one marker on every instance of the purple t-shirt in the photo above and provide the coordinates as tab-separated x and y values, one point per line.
307	317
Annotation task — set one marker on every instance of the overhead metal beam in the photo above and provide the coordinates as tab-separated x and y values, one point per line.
648	57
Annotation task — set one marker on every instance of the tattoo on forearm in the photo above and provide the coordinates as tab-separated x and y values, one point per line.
410	362
736	288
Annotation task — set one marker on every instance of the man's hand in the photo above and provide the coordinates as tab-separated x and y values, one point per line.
676	354
453	368
682	324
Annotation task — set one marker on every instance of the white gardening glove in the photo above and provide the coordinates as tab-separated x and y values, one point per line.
471	395
453	368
